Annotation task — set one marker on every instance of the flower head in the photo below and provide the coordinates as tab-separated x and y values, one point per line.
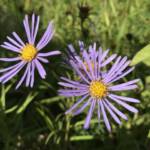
95	85
29	54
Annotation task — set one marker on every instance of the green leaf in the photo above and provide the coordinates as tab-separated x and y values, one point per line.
147	61
122	29
11	109
4	91
26	103
51	100
46	118
3	99
142	56
82	137
148	134
49	137
93	121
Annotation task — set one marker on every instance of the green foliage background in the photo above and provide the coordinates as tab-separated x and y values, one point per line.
33	119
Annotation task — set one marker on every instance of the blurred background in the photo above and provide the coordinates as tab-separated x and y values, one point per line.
33	119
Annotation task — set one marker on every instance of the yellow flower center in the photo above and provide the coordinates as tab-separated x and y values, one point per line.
97	89
28	52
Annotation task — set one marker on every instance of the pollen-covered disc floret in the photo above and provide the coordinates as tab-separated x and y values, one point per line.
97	89
28	52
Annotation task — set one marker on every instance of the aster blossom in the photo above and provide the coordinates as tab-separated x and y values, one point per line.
95	85
29	54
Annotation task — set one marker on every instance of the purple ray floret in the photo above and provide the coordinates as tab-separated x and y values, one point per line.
29	55
95	85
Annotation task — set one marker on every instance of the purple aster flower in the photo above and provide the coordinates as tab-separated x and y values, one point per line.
95	86
29	54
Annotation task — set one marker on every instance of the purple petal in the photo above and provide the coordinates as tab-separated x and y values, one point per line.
105	117
43	60
122	64
7	76
92	51
124	74
71	48
27	29
117	120
124	88
49	53
115	77
127	99
36	29
89	115
76	104
111	71
79	72
11	48
98	111
32	74
28	75
126	85
46	37
12	74
89	63
82	107
23	77
81	45
93	56
99	62
125	105
107	61
84	68
18	38
118	112
14	42
100	52
95	62
117	68
72	90
32	27
10	59
105	54
9	68
74	82
72	86
71	93
40	69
